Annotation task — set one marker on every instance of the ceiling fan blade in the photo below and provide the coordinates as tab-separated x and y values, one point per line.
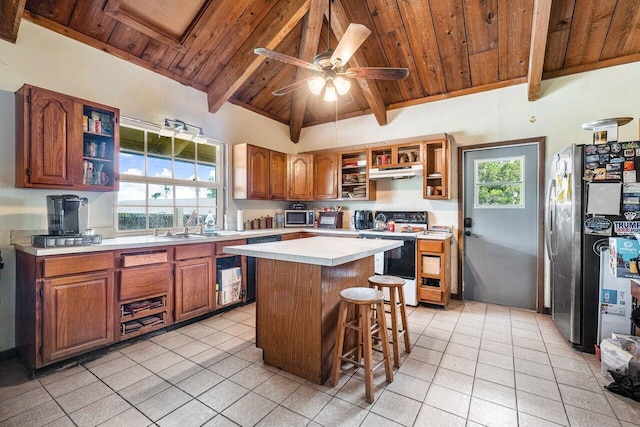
352	39
285	58
290	88
377	73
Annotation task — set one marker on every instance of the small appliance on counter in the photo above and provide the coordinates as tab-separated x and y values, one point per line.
330	219
362	220
298	218
68	221
298	206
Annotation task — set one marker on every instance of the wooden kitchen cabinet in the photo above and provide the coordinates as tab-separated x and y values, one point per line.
300	177
65	142
250	172
144	291
354	183
64	306
397	155
436	170
325	176
278	175
195	285
434	271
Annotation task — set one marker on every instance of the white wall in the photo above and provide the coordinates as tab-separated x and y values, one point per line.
46	59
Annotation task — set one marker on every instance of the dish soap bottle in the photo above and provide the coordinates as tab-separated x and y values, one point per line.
209	224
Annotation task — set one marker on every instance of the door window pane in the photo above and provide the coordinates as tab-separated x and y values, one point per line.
499	183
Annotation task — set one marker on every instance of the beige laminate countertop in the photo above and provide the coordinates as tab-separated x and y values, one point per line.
319	250
148	241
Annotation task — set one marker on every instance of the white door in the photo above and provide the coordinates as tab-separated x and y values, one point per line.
500	211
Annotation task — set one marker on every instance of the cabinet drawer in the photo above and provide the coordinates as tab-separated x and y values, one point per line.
144	282
431	246
430	295
194	251
221	245
133	260
72	264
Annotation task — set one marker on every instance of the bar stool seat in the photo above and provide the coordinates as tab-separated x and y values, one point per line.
363	299
396	304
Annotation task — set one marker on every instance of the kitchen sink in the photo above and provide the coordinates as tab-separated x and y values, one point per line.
183	236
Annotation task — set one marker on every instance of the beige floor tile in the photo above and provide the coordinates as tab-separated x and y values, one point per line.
192	414
595	402
408	386
251	376
306	401
340	413
504	361
535	369
84	396
526	420
129	376
196	330
209	357
625	409
431	343
541	407
496	374
251	321
129	418
200	382
176	341
417	369
111	367
283	417
23	402
426	355
396	407
527	334
216	338
130	346
234	345
489	413
585	381
249	410
496	337
165	336
229	366
99	411
354	392
38	416
437	333
218	322
428	414
496	347
237	315
62	422
454	380
143	390
191	349
277	388
163	403
472	331
220	421
496	393
249	336
250	354
531	355
222	395
101	360
238	329
70	383
465	340
162	362
445	326
326	388
538	386
463	351
180	371
146	352
448	400
582	417
575	365
529	343
458	364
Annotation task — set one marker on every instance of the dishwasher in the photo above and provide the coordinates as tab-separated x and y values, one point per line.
251	265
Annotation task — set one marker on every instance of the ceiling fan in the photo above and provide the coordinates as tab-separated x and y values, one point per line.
331	74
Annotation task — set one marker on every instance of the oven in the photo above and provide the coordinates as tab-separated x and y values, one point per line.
400	262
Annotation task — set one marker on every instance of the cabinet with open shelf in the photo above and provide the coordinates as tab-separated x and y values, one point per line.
354	176
436	170
434	271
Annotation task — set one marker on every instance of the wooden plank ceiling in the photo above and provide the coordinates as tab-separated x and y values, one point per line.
451	47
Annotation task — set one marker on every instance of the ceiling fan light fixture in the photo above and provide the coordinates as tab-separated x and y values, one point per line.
316	85
342	85
330	93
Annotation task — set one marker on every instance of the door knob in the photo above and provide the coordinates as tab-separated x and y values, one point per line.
470	234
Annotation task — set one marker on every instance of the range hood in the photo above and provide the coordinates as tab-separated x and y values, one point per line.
395	172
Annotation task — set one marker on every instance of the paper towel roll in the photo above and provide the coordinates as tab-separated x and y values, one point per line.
240	220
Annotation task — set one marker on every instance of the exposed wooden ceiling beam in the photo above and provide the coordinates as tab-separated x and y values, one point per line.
311	27
10	15
339	24
539	32
276	25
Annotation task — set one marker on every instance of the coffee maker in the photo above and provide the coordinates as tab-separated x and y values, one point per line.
67	215
362	220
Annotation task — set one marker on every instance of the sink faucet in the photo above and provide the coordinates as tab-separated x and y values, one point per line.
191	218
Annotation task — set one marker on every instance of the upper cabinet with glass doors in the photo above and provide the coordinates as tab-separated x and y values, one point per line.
164	180
64	142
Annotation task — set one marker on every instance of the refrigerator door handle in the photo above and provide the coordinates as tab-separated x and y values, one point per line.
550	218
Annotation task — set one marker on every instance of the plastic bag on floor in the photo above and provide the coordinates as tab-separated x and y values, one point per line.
615	354
625	385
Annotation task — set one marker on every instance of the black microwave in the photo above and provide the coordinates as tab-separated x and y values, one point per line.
298	218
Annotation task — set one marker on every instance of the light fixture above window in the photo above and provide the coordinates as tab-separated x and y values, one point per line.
182	130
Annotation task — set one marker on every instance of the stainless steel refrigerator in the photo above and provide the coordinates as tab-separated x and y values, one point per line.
580	218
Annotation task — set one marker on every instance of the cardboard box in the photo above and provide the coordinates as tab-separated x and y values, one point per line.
229	293
229	276
623	258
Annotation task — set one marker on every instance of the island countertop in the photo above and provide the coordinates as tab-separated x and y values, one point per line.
325	251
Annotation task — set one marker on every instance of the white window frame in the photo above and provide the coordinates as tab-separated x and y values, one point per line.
219	185
477	184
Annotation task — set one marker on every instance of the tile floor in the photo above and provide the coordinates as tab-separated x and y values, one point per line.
473	364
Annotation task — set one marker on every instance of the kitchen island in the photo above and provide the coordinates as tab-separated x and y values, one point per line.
298	293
